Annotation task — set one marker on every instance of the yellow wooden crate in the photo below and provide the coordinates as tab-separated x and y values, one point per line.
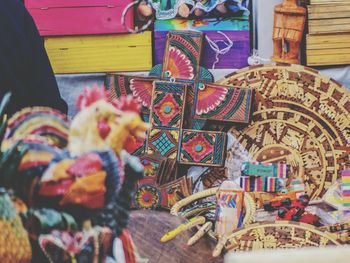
329	18
330	49
100	53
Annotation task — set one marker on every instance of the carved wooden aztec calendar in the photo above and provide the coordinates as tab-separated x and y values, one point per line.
301	117
281	234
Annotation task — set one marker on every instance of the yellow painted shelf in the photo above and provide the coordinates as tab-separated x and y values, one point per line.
100	53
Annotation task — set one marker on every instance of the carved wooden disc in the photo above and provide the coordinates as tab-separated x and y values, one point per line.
302	118
280	234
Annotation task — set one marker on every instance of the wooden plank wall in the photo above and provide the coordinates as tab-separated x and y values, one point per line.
328	40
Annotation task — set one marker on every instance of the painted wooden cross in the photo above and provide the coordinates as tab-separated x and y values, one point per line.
178	97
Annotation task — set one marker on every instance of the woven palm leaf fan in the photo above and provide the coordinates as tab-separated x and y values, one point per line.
280	234
248	207
301	117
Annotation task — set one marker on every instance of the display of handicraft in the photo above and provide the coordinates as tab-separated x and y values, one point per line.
302	118
290	144
178	98
299	134
181	100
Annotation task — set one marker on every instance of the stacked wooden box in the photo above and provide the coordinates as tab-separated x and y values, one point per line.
328	41
87	36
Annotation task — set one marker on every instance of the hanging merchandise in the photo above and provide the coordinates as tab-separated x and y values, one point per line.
226	44
169	9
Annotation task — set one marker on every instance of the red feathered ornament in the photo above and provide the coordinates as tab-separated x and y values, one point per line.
91	95
127	103
133	144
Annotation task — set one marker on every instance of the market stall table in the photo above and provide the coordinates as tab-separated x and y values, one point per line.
147	227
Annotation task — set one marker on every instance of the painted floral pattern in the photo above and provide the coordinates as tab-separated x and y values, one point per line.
198	147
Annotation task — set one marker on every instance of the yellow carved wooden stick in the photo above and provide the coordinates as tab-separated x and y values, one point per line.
220	246
200	233
183	227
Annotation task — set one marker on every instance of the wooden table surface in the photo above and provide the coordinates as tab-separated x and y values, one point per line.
147	227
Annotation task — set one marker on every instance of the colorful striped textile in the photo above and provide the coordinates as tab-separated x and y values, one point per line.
229	210
279	170
345	188
259	184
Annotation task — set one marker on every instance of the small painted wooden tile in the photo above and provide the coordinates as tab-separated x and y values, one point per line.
182	55
176	190
152	164
223	103
168	104
202	148
164	142
147	194
140	87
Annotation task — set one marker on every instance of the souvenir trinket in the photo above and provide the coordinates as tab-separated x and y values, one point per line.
288	31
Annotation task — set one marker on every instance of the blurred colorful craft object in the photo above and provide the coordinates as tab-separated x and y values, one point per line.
39	121
345	188
93	244
282	200
14	242
279	170
229	210
222	103
296	185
